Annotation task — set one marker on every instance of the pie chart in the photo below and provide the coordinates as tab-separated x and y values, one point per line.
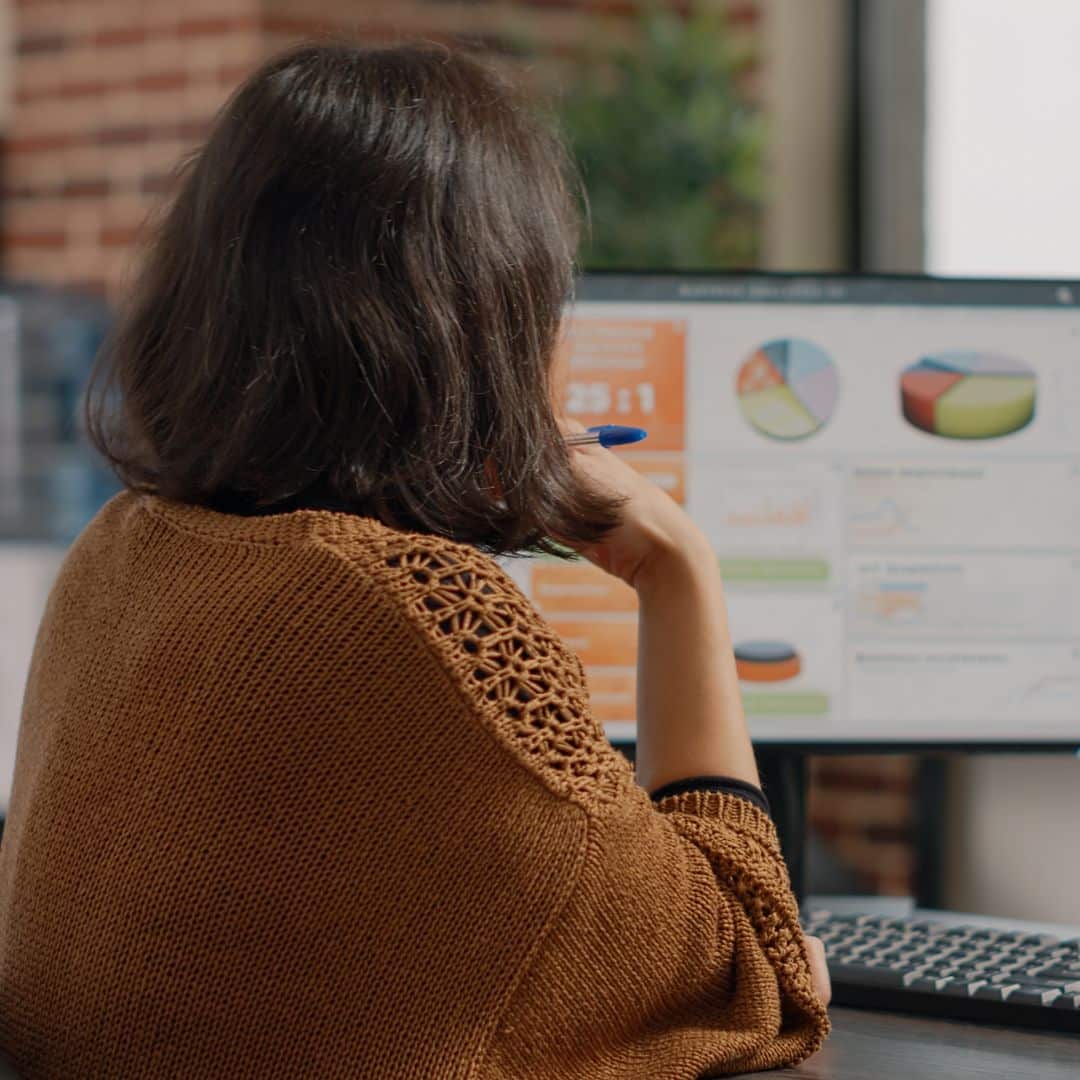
788	388
766	661
968	395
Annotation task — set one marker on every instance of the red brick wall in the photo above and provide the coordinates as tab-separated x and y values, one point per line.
863	808
108	96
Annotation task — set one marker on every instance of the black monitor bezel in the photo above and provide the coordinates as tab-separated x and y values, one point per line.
931	282
944	284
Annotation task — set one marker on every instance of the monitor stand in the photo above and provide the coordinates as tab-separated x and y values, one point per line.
786	781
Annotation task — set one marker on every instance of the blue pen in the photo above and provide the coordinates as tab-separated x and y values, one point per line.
607	435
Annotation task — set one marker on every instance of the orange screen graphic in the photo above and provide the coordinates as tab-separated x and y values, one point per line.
616	371
627	371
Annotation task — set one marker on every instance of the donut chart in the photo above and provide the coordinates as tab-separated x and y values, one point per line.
766	661
968	395
788	388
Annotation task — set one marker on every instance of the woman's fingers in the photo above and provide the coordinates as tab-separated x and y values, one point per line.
819	969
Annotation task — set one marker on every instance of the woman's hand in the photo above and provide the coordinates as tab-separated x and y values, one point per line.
819	971
655	531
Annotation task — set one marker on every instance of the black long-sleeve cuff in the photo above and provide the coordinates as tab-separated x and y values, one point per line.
726	784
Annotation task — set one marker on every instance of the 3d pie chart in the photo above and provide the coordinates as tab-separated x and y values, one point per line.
766	661
788	388
968	395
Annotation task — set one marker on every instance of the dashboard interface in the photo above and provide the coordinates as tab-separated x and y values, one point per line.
889	473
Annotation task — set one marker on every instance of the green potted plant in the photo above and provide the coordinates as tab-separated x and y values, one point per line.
669	142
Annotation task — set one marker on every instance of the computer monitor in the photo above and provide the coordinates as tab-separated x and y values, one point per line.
888	469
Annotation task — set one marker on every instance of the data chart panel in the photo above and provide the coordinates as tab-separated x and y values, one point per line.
888	471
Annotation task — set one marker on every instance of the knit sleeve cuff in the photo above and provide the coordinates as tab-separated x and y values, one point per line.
741	843
732	811
728	784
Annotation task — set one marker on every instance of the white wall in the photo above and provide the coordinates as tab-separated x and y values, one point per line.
26	575
1003	169
1013	845
1003	137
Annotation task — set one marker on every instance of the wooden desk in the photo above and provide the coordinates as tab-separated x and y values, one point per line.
886	1046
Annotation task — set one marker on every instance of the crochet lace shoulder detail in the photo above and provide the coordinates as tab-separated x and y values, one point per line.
527	685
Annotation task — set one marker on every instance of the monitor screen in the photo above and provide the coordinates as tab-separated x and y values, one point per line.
888	470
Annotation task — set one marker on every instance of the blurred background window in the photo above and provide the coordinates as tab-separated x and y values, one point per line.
1003	157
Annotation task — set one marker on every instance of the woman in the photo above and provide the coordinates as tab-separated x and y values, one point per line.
304	786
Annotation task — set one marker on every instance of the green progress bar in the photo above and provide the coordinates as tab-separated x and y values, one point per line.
776	703
774	569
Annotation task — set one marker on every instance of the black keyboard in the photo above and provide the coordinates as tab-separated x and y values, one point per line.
1000	975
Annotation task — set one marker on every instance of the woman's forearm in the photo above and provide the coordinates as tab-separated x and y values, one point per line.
690	717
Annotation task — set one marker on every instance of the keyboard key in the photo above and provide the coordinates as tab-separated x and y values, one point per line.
890	953
881	921
963	987
983	963
1013	956
928	926
1027	978
1019	979
963	959
1068	1001
1053	956
916	952
1065	974
1034	995
971	974
995	991
866	976
909	977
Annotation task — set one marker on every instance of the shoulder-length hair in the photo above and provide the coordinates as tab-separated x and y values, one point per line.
353	302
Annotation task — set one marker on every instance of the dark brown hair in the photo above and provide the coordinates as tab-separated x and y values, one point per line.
353	302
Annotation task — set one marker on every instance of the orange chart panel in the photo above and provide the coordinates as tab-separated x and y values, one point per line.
627	371
579	587
600	642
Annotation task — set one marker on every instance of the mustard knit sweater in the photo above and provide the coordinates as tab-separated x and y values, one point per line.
305	796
